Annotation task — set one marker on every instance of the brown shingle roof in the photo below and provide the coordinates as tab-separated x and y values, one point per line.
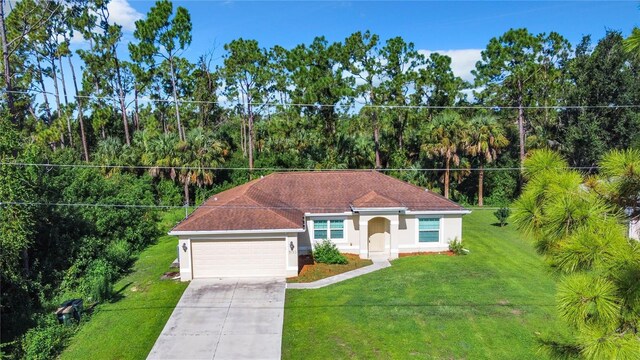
280	200
373	199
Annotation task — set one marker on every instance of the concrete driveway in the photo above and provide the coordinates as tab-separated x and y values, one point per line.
225	319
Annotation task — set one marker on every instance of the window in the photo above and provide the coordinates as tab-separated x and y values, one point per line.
328	229
429	230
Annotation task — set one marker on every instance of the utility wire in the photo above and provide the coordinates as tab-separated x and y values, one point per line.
364	105
148	167
225	206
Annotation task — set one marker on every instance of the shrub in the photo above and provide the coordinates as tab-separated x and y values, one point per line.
169	194
46	341
326	252
118	253
456	247
98	283
502	215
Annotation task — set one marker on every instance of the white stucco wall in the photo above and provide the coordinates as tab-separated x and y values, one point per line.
403	233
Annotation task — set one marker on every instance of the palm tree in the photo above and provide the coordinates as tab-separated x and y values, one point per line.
162	155
486	140
199	153
107	154
632	43
445	136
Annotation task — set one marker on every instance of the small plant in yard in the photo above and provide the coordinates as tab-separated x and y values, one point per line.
326	252
457	248
502	215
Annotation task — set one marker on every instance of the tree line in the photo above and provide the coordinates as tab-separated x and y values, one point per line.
363	102
168	130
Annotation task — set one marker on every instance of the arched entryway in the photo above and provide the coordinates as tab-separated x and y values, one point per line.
378	235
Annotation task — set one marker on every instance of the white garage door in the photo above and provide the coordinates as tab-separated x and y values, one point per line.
238	258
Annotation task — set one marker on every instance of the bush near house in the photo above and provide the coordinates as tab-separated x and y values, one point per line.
456	247
326	252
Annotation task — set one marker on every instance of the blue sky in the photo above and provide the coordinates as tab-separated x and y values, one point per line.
460	29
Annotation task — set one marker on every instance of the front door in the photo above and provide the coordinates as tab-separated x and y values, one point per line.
376	235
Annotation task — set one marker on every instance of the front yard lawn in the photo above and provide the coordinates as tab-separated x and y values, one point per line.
128	327
316	271
487	305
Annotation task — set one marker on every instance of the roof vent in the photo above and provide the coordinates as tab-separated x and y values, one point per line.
261	176
215	199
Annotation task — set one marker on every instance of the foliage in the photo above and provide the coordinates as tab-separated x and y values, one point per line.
327	252
46	341
502	215
97	284
118	255
457	247
168	193
579	230
143	299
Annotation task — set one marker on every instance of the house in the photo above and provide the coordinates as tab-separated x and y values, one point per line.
260	228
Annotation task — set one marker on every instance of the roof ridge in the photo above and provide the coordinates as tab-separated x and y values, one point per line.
321	171
422	189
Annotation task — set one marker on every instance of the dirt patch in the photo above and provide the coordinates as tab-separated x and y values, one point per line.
304	260
503	302
423	253
169	275
516	312
312	271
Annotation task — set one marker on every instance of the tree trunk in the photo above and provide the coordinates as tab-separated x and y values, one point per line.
250	134
66	99
123	107
376	130
446	176
175	100
243	137
480	186
83	136
521	122
5	65
186	191
376	140
47	109
54	77
136	116
64	86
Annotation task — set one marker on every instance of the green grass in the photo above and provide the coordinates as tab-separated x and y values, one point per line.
128	327
487	305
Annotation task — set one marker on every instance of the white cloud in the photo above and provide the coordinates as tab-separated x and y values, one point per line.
462	60
123	14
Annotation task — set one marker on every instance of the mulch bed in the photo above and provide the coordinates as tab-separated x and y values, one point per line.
422	253
311	271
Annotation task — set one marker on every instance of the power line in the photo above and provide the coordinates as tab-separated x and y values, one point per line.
277	169
364	105
225	206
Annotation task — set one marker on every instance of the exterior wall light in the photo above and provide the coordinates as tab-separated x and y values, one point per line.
184	247
291	246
